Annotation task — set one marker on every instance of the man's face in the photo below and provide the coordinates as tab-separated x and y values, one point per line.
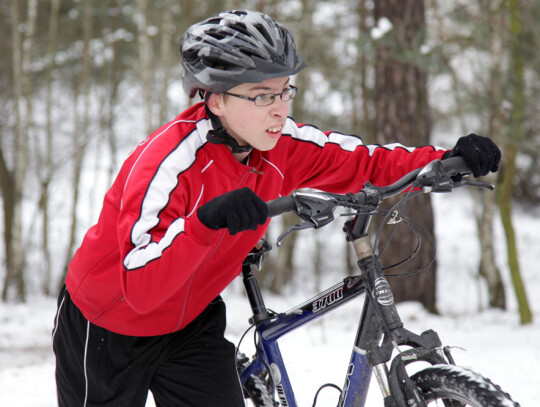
258	126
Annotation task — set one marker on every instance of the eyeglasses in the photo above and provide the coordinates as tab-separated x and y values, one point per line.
268	98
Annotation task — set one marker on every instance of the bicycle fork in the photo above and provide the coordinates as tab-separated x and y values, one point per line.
380	332
379	308
368	335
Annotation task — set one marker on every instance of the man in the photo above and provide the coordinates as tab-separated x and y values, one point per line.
141	309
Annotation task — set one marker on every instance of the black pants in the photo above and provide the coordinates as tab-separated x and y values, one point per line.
192	367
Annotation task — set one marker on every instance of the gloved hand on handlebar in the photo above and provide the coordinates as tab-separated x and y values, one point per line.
480	153
237	210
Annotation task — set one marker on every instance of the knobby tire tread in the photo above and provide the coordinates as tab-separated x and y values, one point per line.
459	384
259	392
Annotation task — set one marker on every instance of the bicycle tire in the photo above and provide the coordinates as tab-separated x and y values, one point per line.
456	387
257	389
259	392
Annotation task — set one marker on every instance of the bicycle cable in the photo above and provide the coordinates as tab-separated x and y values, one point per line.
395	213
410	224
322	387
420	269
413	226
272	383
241	339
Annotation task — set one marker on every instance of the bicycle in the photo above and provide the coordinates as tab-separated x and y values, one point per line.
383	346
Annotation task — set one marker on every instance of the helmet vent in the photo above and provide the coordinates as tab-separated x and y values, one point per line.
265	34
241	27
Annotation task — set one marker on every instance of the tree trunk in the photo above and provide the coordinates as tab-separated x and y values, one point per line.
487	200
506	188
166	37
115	75
47	165
505	206
7	183
487	267
80	133
367	120
22	51
403	116
145	63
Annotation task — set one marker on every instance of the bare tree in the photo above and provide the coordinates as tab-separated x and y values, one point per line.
165	50
506	187
484	101
115	75
46	164
80	132
145	62
403	116
487	204
15	179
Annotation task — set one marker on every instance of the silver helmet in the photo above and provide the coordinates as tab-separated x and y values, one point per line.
236	47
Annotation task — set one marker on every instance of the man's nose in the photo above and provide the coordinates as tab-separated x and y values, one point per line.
280	108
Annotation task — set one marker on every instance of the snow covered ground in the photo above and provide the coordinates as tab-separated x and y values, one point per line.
490	342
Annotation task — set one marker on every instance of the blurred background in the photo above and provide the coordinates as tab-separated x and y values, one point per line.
83	81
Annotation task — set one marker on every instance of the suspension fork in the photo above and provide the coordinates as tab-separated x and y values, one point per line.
376	283
379	308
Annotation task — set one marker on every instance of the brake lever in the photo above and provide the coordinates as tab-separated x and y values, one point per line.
475	184
294	228
433	178
316	211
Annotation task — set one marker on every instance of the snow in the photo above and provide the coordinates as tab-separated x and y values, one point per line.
383	26
491	342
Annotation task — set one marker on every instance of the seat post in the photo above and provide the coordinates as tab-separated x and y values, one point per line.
253	262
253	291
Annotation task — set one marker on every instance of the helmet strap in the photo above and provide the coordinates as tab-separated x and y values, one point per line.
219	135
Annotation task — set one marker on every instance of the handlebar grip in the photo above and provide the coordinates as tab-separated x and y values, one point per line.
280	205
455	166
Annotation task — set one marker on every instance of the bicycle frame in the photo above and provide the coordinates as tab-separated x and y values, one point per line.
273	328
380	330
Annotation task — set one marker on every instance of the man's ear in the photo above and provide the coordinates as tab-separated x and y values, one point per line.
215	104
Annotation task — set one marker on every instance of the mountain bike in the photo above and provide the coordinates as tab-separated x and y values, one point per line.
383	346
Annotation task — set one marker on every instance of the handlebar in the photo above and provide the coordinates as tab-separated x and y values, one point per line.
281	205
437	176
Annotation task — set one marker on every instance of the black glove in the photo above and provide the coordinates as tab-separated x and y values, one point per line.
237	210
480	153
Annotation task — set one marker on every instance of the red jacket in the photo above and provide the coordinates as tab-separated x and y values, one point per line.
149	267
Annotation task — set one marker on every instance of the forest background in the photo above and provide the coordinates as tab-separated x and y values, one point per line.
82	82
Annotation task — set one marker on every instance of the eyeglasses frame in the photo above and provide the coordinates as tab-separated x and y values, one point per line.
273	96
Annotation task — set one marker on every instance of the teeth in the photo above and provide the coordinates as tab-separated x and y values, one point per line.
274	129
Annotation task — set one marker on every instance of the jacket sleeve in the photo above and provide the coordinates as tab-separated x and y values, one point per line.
336	162
158	261
162	243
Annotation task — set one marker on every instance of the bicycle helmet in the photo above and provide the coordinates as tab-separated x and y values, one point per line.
236	47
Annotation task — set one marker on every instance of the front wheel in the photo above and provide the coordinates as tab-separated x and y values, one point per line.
453	386
257	389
